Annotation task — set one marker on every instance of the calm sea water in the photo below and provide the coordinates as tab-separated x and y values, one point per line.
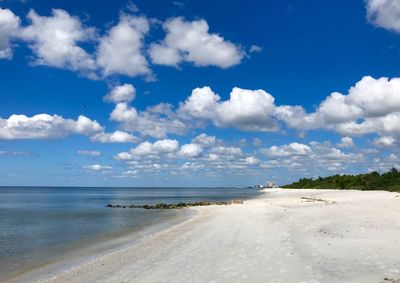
40	225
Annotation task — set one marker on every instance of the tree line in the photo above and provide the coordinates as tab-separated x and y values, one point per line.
389	181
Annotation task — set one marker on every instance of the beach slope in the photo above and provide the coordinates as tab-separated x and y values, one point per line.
283	236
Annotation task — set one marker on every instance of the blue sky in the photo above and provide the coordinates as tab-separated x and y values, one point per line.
197	93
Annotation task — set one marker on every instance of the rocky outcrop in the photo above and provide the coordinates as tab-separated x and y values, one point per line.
176	205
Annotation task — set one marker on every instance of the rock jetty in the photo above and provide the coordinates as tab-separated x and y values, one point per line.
175	205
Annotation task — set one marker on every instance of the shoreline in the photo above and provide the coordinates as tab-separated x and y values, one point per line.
75	259
119	228
88	253
281	236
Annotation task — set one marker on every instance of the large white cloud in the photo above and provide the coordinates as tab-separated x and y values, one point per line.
123	113
160	147
371	106
192	42
201	104
248	110
335	109
9	29
156	121
54	40
44	126
385	125
190	150
121	50
287	150
384	14
375	97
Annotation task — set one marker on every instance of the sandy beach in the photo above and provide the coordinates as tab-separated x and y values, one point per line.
282	236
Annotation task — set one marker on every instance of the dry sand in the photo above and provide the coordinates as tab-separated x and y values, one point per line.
283	236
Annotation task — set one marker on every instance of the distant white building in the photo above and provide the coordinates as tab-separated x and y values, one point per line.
268	185
271	185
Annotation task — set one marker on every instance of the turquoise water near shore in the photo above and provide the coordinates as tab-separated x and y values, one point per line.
41	225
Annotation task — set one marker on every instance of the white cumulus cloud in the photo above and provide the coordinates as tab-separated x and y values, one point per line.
204	140
9	29
44	126
190	150
121	50
201	104
54	40
192	42
384	14
156	121
62	40
385	141
248	110
160	147
346	142
114	137
371	106
121	93
287	150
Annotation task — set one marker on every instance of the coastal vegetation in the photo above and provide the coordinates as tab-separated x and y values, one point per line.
389	181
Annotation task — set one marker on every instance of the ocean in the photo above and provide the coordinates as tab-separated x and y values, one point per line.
45	225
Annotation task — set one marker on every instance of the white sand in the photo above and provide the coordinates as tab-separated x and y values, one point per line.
345	236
